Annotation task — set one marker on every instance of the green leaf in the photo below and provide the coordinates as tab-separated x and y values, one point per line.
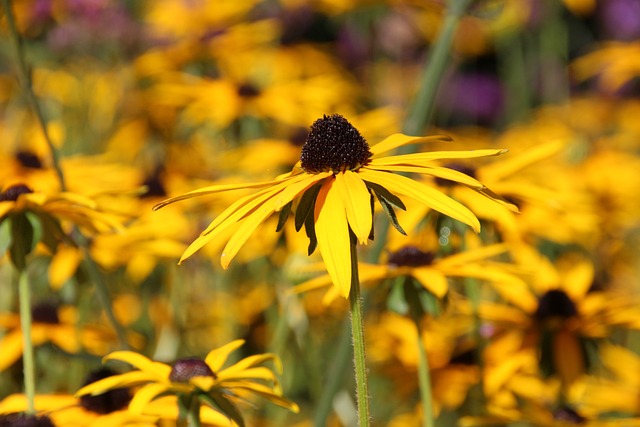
310	229
306	205
387	207
382	192
221	403
284	216
396	300
22	240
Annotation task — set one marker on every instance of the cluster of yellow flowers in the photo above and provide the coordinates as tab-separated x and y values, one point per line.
237	175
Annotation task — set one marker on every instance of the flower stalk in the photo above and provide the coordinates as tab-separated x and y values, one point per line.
24	77
24	292
424	380
357	331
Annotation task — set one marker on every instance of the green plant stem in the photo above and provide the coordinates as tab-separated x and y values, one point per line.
24	77
424	380
357	332
183	410
422	108
24	291
193	415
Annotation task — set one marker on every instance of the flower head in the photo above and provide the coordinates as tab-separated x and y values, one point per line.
207	380
333	189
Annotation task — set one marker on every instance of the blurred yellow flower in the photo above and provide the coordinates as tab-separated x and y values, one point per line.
206	380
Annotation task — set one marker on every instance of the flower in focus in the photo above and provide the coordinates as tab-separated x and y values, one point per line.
333	187
215	387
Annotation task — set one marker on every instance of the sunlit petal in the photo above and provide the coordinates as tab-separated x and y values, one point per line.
398	140
332	232
141	362
217	357
423	193
145	395
357	201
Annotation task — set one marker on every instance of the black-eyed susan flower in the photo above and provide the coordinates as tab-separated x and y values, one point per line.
195	382
333	188
53	324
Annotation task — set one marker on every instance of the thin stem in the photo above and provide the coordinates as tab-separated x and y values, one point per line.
194	413
183	410
357	332
24	77
424	380
24	291
422	108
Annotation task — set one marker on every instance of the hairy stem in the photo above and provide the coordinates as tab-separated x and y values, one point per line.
24	291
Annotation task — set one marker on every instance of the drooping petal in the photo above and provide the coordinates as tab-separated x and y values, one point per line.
259	373
473	255
145	395
515	163
357	202
217	357
141	362
250	362
332	232
427	158
255	218
439	172
217	189
12	345
128	379
267	393
398	140
424	194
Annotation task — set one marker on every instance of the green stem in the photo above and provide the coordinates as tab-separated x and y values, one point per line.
24	78
422	108
357	332
194	413
424	380
184	405
24	291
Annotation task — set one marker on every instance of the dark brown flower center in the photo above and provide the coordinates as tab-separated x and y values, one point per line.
185	369
333	144
154	186
13	192
247	90
410	256
29	160
107	402
567	414
555	304
24	420
45	312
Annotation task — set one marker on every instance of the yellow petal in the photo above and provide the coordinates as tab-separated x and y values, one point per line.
217	357
473	255
422	193
215	189
357	201
63	265
267	393
259	373
128	379
515	163
255	218
433	280
424	159
439	172
250	362
11	345
398	140
145	395
332	232
141	362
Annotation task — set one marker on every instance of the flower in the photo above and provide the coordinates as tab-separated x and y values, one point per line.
56	325
333	187
214	386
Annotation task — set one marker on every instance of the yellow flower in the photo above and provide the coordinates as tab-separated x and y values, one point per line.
616	63
333	187
55	325
431	271
207	380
